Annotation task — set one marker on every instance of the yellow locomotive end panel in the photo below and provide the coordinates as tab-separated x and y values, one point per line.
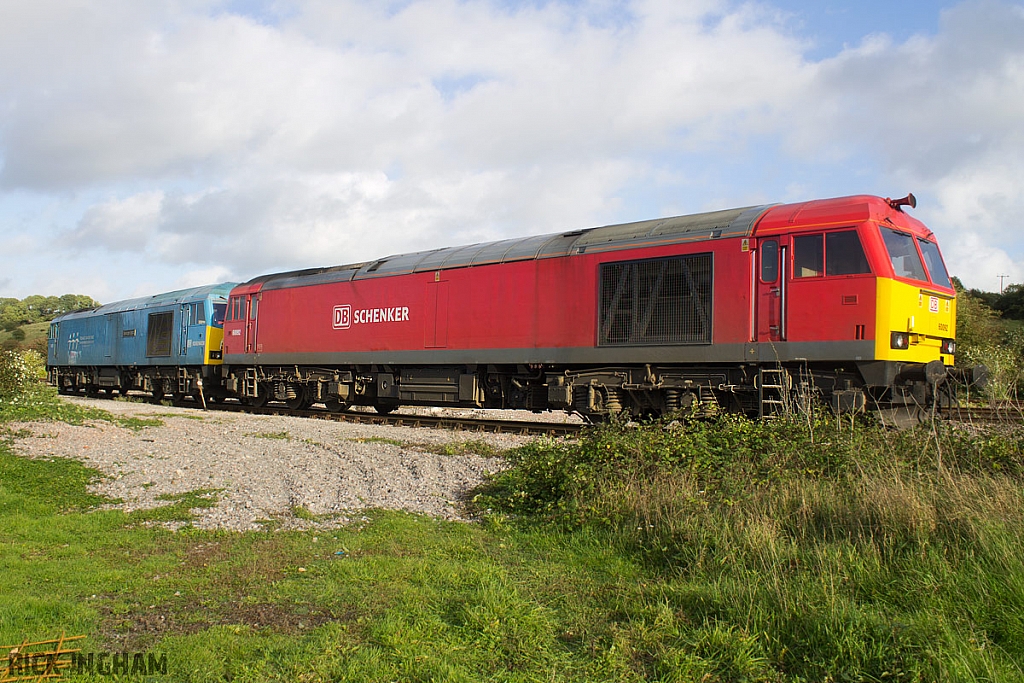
925	316
214	346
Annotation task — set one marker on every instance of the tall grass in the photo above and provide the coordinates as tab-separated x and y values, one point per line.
821	551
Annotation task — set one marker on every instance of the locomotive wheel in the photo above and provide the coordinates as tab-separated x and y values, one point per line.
260	399
299	401
157	394
385	408
336	406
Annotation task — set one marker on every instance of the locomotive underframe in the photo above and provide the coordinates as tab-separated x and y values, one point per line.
595	392
170	381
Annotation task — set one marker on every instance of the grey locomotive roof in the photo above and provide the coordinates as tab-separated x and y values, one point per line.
177	297
697	227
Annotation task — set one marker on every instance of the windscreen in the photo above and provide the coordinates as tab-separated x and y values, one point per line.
933	259
219	309
903	254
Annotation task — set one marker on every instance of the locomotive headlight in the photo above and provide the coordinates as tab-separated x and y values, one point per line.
948	347
899	340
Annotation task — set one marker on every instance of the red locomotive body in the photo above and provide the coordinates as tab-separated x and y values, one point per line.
734	308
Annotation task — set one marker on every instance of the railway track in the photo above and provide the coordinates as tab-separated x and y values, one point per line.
524	427
1004	413
494	426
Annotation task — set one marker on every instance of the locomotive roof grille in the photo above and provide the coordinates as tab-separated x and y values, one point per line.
181	296
679	229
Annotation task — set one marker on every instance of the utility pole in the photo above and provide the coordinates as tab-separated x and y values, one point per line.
1001	278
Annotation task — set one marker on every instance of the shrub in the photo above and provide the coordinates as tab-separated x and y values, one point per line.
16	372
36	364
983	339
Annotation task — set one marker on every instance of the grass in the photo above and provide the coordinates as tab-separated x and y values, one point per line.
786	553
40	403
450	448
33	332
281	436
725	551
381	440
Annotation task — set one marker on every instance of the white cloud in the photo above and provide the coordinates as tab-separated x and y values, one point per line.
940	115
980	264
119	225
219	145
202	276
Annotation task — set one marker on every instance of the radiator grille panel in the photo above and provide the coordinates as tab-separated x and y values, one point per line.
656	301
158	334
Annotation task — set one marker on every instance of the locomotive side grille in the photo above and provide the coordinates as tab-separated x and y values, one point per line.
158	334
656	301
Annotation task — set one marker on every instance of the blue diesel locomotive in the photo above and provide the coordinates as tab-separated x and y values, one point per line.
166	344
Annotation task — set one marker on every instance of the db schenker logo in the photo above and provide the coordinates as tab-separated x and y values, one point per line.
342	317
345	317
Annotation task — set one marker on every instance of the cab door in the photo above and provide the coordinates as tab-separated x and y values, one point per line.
252	323
771	290
53	344
113	338
183	332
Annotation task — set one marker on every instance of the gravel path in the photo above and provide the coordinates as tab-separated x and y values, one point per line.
268	467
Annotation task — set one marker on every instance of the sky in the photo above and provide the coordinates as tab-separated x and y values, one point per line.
151	146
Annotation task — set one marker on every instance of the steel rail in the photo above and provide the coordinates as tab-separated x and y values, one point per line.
495	426
1006	413
524	427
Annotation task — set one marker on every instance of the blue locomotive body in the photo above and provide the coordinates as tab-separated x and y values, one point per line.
164	344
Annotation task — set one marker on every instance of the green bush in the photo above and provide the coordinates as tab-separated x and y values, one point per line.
19	370
983	339
15	374
731	457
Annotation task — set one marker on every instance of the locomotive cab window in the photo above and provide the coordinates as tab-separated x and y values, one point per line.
933	259
219	309
844	254
769	261
903	254
237	308
834	253
808	256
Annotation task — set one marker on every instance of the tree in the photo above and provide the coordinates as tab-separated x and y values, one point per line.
983	339
14	315
1011	302
74	302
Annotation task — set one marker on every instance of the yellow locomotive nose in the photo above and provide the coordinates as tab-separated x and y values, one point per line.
914	323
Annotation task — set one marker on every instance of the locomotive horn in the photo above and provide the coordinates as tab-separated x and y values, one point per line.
910	200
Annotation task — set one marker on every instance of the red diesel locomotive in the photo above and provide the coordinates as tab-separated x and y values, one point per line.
847	299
